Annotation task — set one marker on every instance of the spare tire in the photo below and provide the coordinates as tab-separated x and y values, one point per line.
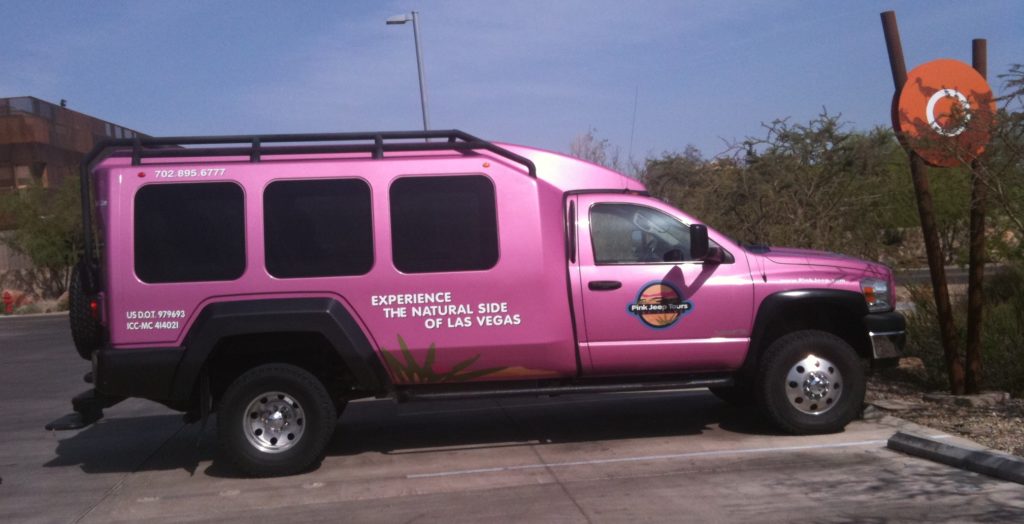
86	330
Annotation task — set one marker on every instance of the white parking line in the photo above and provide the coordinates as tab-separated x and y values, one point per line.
643	458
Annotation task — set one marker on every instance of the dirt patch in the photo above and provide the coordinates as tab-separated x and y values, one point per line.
998	424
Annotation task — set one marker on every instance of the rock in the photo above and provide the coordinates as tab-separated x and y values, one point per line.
911	364
870	412
891	404
984	399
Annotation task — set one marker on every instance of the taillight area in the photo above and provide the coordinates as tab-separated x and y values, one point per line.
94	309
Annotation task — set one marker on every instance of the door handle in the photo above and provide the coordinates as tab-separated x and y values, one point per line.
604	285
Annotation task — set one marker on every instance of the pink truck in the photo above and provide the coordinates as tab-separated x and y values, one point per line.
272	279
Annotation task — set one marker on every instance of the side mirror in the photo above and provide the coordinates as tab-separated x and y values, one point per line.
698	241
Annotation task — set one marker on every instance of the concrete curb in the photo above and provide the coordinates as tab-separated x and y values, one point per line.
985	462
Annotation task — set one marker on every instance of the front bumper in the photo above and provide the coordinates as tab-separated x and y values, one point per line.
888	334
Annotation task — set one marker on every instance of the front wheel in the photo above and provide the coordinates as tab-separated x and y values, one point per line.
811	382
275	420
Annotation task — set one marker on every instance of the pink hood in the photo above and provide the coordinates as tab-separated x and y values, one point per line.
786	255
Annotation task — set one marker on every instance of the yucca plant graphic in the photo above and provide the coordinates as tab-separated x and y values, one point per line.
408	370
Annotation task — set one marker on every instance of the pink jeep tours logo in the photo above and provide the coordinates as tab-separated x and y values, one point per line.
659	305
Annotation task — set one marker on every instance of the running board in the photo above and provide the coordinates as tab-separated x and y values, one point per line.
563	389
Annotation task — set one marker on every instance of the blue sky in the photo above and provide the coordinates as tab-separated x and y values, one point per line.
532	72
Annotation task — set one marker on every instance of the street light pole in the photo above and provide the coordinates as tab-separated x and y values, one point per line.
414	18
419	67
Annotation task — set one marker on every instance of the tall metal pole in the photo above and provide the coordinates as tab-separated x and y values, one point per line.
976	271
419	66
926	211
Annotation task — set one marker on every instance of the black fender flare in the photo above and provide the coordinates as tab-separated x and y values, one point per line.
326	316
773	307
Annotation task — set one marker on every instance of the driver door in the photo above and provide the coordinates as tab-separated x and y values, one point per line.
647	306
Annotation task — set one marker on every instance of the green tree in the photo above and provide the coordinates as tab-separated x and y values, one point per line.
1004	164
47	229
588	146
808	185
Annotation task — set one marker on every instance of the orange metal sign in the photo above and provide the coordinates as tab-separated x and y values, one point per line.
945	112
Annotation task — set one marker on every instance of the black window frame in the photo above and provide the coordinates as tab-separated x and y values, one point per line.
147	277
593	245
397	251
267	239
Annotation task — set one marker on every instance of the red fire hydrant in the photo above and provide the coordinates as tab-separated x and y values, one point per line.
8	303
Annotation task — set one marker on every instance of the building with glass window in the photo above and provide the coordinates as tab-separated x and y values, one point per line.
45	142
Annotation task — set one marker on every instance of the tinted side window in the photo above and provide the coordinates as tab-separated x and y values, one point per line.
631	234
317	228
444	223
189	232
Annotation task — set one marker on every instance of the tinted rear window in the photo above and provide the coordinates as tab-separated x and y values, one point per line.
316	228
444	223
189	232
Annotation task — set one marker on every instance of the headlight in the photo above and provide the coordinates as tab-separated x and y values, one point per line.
877	294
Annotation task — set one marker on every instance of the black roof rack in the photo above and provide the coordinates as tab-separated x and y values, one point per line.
255	147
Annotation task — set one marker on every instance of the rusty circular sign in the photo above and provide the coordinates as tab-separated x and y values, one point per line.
945	112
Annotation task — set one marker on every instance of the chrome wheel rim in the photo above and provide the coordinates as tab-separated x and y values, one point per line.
274	422
814	385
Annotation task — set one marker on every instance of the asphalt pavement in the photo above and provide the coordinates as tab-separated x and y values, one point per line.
645	457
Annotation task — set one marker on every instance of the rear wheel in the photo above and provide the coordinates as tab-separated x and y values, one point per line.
275	420
811	382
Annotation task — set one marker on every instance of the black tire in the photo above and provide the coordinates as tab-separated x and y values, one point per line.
86	331
828	396
289	386
740	395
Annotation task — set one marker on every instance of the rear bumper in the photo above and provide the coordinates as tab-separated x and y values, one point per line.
888	334
144	372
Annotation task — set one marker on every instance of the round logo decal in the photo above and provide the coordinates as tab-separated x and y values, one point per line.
944	112
659	305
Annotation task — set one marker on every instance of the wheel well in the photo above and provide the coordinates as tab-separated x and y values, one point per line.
310	351
822	316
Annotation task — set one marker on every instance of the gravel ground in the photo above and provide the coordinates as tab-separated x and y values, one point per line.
998	425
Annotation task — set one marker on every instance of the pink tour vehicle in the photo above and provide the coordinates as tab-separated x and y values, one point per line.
272	279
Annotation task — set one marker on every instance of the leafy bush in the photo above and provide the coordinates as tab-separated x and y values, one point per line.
1002	331
923	338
